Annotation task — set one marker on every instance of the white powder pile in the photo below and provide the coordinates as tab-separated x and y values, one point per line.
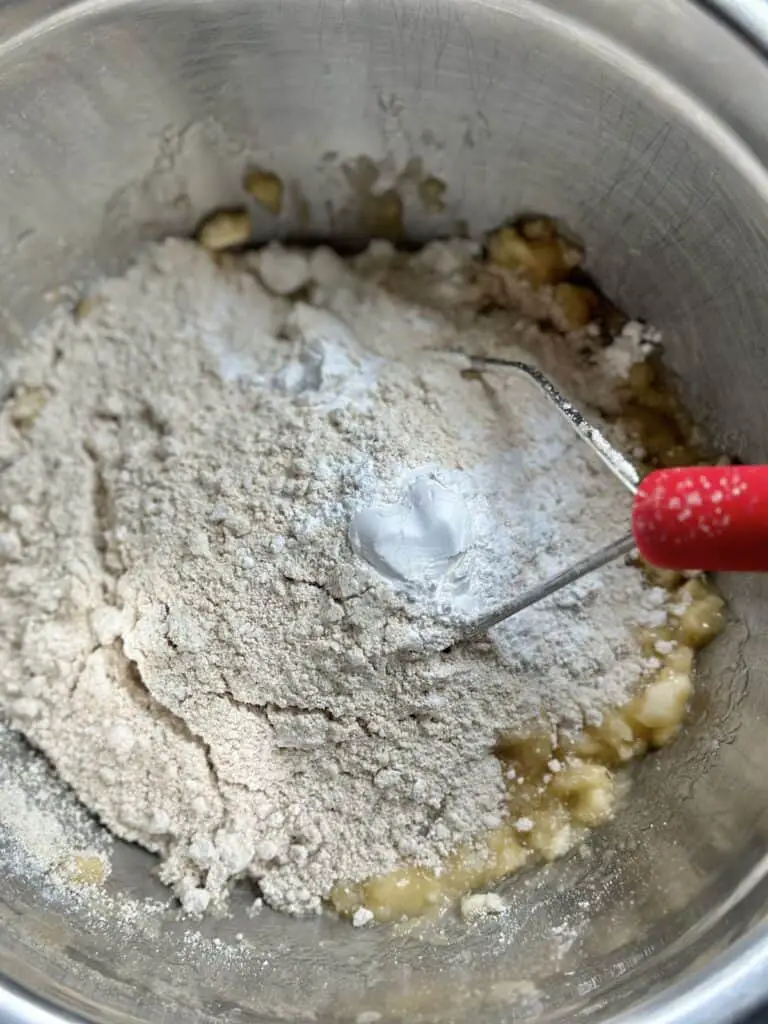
233	527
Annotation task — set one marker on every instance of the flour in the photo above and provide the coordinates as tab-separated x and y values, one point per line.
49	834
227	515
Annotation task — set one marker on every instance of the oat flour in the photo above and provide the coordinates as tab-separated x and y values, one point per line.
233	526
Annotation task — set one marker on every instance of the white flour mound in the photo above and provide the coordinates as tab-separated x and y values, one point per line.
233	527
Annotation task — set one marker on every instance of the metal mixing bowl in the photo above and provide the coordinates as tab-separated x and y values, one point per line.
643	124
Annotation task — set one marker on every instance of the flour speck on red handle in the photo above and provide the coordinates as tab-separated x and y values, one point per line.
713	518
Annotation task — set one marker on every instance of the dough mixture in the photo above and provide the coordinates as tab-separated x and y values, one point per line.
243	500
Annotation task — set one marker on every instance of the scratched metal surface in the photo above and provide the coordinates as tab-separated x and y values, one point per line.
641	126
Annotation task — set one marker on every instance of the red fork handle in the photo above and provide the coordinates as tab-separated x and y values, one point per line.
713	518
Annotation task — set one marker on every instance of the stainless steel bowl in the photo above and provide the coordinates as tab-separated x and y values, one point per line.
644	125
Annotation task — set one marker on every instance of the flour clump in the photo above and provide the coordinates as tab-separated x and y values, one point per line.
226	515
